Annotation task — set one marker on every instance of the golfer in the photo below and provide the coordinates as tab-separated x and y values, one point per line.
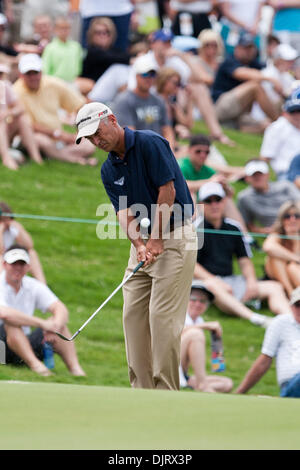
142	179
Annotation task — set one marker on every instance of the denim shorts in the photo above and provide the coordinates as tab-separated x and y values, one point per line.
291	388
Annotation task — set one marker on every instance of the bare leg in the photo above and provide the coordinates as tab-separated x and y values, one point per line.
193	353
19	344
69	153
205	105
277	269
274	293
227	302
293	270
67	352
249	92
27	136
7	160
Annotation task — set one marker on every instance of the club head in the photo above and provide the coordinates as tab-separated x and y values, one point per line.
65	338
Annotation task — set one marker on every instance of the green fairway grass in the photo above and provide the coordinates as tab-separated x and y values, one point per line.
60	416
84	270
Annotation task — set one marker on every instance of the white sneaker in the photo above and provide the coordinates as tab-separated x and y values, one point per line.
260	320
182	379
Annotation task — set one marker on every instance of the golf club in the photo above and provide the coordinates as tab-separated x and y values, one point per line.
102	305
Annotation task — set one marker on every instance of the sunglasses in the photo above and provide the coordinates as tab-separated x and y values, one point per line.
102	32
197	151
212	199
197	299
289	216
150	74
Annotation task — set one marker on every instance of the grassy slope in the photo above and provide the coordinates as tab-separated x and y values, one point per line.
84	270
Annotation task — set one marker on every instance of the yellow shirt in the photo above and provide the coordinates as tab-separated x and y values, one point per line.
43	105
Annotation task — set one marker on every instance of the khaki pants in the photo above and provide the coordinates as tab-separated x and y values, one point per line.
155	303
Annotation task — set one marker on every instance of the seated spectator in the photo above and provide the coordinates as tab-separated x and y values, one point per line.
33	9
294	171
140	108
62	57
14	121
281	139
178	101
42	34
164	55
281	69
238	85
260	202
101	53
43	97
21	294
193	353
282	340
215	263
210	55
115	79
12	232
282	247
197	172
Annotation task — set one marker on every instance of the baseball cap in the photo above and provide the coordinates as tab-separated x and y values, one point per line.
16	254
88	118
162	35
199	285
30	62
285	52
292	103
246	39
144	64
211	189
256	166
295	296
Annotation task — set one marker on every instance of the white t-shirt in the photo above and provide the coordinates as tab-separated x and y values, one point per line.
282	339
190	322
201	6
90	8
33	295
9	236
281	143
173	62
245	10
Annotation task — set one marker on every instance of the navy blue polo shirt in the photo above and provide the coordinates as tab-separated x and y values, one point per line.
224	80
148	164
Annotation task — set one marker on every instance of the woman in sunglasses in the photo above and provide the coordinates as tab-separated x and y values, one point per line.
283	247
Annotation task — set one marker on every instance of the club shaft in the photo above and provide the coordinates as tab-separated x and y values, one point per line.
108	298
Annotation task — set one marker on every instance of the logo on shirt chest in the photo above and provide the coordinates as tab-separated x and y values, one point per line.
148	114
120	182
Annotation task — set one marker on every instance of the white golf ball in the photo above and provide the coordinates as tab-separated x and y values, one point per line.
145	222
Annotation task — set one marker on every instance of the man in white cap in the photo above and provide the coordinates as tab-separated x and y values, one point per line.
215	263
282	340
260	202
20	296
42	97
140	108
142	179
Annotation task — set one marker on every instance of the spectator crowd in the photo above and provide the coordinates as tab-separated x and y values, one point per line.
232	65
